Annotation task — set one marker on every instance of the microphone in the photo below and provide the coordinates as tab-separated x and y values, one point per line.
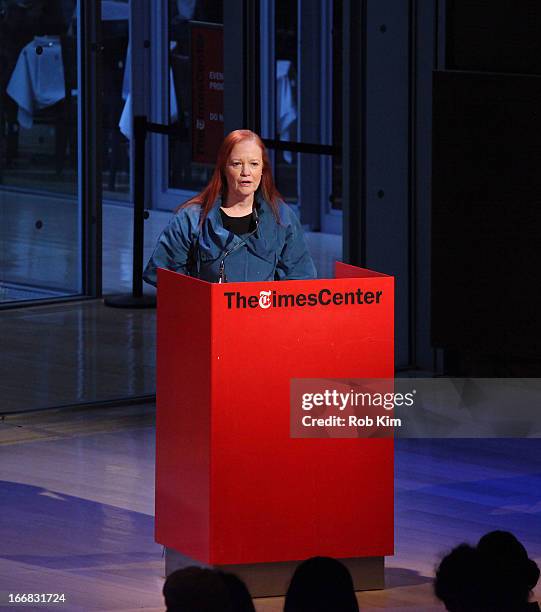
222	278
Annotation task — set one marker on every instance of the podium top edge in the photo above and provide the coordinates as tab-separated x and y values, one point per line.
346	271
295	284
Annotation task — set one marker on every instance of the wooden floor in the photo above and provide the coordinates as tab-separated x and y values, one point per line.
75	353
76	496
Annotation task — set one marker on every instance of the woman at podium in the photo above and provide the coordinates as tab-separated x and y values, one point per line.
238	228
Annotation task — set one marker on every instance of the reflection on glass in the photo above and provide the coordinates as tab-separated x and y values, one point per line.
285	107
307	102
286	128
116	101
38	95
39	213
337	28
190	164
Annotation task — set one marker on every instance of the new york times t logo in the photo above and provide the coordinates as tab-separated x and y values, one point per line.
265	299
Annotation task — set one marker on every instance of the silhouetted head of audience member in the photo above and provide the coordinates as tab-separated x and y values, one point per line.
512	575
321	584
240	595
196	589
494	576
460	580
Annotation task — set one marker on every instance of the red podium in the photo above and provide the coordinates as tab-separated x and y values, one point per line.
232	486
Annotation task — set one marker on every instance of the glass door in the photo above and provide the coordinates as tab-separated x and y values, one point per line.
40	203
120	54
188	86
300	89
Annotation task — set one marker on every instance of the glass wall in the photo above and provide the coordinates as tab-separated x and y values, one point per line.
303	104
116	99
40	211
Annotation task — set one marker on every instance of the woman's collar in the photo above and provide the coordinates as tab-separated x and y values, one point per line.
259	202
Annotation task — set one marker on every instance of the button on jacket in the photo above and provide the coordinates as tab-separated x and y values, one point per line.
274	252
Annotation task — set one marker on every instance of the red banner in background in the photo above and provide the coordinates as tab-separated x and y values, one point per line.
207	92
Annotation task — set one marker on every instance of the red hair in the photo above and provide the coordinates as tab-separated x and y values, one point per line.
218	183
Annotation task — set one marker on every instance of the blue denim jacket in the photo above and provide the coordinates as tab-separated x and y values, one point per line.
274	252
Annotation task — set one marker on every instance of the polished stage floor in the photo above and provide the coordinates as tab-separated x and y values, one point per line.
76	496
